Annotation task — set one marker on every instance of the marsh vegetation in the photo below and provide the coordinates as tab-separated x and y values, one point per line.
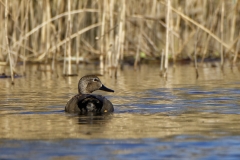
112	32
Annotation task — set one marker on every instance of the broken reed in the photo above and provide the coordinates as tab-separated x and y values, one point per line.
111	30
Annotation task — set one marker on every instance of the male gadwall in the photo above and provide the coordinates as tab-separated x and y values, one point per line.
85	102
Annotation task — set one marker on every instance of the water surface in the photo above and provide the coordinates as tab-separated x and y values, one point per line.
155	118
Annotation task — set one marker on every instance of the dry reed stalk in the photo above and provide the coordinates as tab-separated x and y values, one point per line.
78	38
167	37
67	47
6	36
105	46
137	53
64	58
78	20
60	27
233	22
108	57
162	63
139	38
25	41
102	16
13	36
172	38
69	31
53	61
178	40
236	53
34	42
114	51
112	41
77	49
213	23
48	27
122	43
221	30
120	33
91	21
195	53
45	32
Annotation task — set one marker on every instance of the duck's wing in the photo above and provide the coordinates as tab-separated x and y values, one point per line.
72	104
84	103
107	106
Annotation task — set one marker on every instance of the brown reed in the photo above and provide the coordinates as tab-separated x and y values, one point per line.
112	31
7	44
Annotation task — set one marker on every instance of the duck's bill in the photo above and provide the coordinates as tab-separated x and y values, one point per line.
106	89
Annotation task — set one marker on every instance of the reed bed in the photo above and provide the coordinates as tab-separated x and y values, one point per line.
116	31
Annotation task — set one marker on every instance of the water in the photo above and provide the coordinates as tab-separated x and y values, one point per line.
178	118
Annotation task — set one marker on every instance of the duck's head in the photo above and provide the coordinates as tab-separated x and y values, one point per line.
91	83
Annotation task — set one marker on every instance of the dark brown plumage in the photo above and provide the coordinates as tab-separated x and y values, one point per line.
85	102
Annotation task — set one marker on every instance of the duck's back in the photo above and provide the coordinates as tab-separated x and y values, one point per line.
82	103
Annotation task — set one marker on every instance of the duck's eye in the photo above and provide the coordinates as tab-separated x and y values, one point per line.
95	79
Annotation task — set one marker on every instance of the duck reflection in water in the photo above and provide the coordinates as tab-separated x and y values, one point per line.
98	119
85	102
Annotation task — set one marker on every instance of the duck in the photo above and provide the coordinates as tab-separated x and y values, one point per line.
85	102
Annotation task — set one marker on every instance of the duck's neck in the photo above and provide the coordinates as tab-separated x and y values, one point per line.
82	88
83	91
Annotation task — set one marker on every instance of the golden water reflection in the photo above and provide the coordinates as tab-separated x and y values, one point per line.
118	126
